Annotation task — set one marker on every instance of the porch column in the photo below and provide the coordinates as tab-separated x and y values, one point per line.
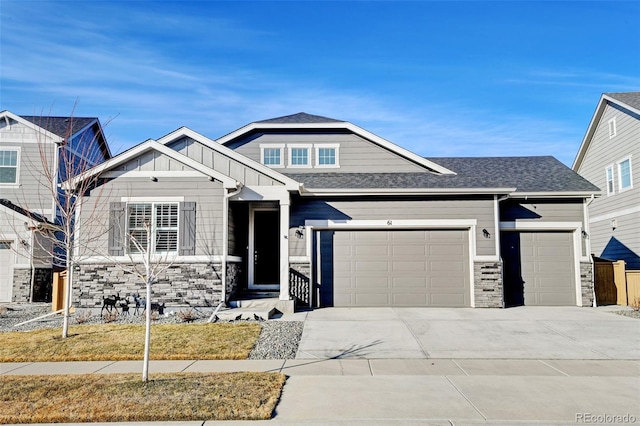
284	249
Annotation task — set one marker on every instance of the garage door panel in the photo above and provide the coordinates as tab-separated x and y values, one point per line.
409	266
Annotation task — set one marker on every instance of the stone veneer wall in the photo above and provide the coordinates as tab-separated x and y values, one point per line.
586	281
234	277
181	284
488	290
21	284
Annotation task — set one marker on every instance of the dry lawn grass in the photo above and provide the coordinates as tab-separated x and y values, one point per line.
125	398
107	342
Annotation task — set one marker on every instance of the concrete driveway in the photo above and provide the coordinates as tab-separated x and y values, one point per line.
458	333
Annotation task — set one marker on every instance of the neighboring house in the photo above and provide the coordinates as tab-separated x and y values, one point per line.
32	149
609	151
306	206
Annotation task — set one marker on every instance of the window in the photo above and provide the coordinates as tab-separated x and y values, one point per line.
610	187
612	128
271	155
327	156
9	166
163	218
624	174
299	156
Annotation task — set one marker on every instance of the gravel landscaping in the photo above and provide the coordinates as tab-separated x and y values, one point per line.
278	339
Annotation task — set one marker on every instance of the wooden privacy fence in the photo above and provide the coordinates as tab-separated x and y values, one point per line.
614	285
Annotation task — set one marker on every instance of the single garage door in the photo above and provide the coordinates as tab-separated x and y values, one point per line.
539	268
6	271
400	268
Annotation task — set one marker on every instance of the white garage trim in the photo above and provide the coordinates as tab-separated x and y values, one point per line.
392	224
573	227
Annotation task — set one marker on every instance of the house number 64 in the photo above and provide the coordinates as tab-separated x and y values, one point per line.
389	222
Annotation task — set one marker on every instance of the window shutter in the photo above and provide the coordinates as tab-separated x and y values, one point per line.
117	228
187	229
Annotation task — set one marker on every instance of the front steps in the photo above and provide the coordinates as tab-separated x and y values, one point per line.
261	304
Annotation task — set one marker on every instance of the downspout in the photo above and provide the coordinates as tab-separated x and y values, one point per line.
497	202
587	231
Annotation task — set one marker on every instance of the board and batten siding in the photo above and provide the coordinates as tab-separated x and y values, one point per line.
356	154
340	210
222	163
32	191
208	198
603	152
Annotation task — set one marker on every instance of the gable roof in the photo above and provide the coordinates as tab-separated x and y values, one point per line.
268	171
144	147
304	121
61	126
627	100
519	176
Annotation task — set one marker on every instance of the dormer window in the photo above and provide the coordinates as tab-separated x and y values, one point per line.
327	156
272	155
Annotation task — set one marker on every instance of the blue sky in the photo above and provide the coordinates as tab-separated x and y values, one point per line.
439	78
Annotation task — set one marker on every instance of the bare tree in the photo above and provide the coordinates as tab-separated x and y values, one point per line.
56	164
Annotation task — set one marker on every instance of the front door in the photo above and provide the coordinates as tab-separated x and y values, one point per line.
265	271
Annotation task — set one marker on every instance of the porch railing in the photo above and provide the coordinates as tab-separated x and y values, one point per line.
300	288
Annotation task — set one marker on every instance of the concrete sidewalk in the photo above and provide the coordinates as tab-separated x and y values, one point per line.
417	391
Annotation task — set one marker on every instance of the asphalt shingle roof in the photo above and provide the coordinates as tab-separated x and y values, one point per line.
60	125
526	174
629	98
300	118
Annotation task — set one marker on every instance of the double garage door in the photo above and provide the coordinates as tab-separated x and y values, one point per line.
396	268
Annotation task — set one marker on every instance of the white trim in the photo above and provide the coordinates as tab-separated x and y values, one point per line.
618	164
574	228
279	147
540	226
172	258
558	194
613	179
496	226
405	191
290	184
40	130
318	146
292	146
340	125
392	224
18	158
150	174
250	256
299	259
614	214
175	199
150	145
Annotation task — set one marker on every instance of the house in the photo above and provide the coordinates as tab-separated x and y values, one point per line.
321	211
606	158
34	152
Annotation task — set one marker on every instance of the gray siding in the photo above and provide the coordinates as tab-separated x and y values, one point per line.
355	155
617	243
603	152
207	195
222	163
386	209
33	191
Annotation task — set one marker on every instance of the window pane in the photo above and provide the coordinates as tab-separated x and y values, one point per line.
299	156
138	239
609	180
7	175
625	174
272	156
166	215
326	156
166	240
